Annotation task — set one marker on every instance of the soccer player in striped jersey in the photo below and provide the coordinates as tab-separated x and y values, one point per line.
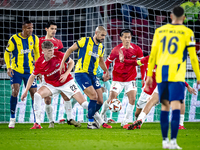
51	28
21	46
149	98
90	56
170	45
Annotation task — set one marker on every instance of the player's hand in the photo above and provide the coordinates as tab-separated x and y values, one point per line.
63	77
148	83
198	85
24	95
143	82
10	72
39	77
121	56
106	76
62	67
191	90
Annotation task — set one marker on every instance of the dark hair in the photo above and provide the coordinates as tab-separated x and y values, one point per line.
26	22
178	11
50	23
125	31
47	45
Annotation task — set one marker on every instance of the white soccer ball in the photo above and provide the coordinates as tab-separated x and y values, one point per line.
115	105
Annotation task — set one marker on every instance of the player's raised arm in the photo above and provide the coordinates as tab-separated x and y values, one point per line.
103	66
29	83
67	53
64	76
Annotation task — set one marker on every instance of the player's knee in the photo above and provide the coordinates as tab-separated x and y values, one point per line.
94	96
15	93
47	100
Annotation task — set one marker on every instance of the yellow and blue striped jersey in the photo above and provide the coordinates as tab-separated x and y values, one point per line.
169	52
21	53
88	55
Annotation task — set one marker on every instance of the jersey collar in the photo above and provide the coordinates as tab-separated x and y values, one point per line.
94	42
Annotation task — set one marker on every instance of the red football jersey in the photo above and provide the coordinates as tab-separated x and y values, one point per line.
151	89
50	69
125	71
56	42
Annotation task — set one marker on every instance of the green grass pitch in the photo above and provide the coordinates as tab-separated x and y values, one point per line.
68	137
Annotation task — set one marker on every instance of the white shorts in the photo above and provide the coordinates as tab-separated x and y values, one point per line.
119	86
69	89
142	100
155	90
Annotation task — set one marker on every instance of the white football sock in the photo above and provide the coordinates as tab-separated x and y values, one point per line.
49	111
68	109
98	118
85	105
129	110
104	108
181	119
142	116
37	106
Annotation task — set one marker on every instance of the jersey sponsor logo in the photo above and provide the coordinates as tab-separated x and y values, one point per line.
54	72
86	83
55	47
93	54
25	51
46	69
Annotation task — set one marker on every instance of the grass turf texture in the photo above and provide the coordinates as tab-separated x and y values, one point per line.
67	137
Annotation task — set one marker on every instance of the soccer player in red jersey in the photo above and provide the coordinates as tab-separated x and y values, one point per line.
51	28
48	65
124	73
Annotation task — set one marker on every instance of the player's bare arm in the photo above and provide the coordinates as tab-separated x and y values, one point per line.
67	53
103	66
64	76
29	83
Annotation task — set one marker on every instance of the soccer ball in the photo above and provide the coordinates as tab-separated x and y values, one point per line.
115	105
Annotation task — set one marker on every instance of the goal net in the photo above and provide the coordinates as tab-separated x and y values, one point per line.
79	18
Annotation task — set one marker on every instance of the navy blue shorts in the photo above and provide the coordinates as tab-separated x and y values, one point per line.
85	80
18	77
171	91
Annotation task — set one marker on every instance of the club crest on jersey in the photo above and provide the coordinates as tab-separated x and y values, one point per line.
133	56
55	47
31	43
114	88
57	65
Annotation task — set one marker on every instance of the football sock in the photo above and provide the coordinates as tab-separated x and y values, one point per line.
181	119
142	116
164	123
129	110
68	109
98	106
98	118
104	108
175	123
91	110
105	97
85	105
33	109
13	104
49	111
37	107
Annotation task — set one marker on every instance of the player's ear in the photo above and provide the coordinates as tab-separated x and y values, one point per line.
171	16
